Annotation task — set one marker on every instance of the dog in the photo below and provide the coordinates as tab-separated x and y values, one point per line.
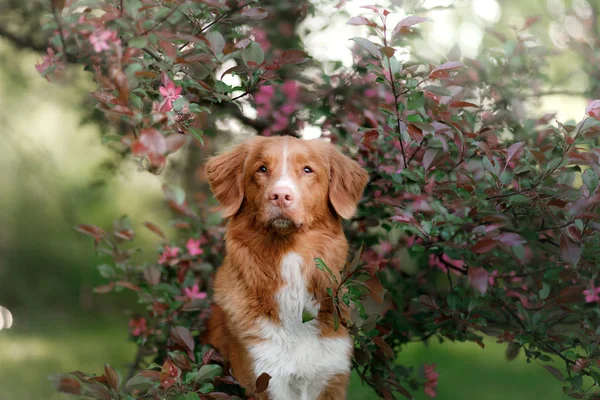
285	198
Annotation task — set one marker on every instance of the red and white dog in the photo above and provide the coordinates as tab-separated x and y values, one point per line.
285	198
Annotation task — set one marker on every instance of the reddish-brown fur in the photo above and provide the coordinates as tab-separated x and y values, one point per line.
246	283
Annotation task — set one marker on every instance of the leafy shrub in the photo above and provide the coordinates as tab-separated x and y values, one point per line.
478	221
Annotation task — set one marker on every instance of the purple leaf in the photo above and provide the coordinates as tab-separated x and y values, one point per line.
478	277
554	371
443	69
511	239
514	151
255	13
368	46
429	157
407	22
359	20
569	250
593	109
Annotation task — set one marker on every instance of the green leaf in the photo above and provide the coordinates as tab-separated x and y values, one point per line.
544	291
323	267
438	90
216	41
136	101
197	134
590	179
474	303
161	13
189	396
175	193
206	388
138	42
416	101
554	164
253	55
179	103
132	7
106	271
207	372
552	273
110	138
453	300
518	199
393	64
519	252
139	383
307	316
368	46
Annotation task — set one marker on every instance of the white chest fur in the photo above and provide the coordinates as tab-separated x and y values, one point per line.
298	359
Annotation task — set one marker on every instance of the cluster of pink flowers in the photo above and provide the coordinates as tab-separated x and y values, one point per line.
261	37
592	294
101	39
193	246
138	327
170	92
171	254
168	254
49	60
432	380
194	293
267	106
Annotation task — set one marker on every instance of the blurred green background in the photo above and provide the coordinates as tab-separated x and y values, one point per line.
56	173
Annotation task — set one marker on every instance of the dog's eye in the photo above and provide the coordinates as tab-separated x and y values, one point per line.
262	169
308	170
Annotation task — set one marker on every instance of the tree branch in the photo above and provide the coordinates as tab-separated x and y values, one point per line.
22	43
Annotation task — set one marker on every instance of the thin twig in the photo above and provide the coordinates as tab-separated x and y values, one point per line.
395	94
134	366
160	21
55	12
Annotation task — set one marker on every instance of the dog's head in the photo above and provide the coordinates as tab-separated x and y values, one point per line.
284	183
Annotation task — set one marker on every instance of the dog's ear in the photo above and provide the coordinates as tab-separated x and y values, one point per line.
225	174
348	181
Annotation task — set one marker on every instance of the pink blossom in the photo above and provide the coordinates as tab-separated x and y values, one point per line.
591	294
265	94
263	100
370	93
193	247
102	38
386	247
281	122
168	254
261	37
47	62
170	93
492	277
138	326
290	90
432	380
194	293
288	108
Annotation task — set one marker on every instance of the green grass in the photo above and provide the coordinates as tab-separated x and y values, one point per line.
28	358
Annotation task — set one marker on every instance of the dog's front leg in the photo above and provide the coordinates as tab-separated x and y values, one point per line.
280	388
336	388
